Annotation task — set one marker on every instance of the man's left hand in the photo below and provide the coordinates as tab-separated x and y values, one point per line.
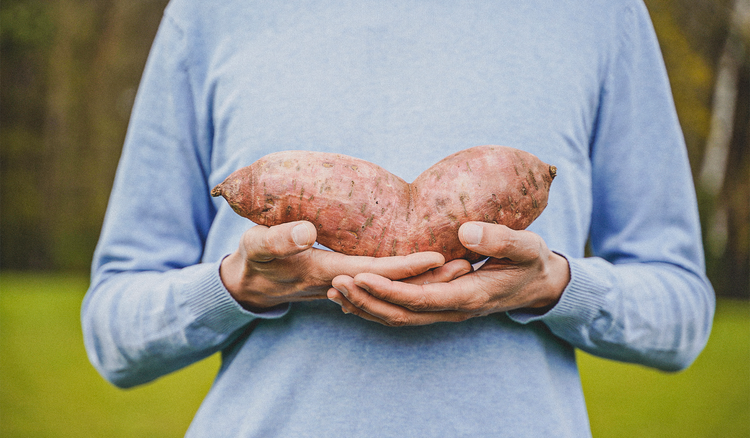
521	272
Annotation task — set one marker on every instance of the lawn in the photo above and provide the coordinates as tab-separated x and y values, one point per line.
48	388
709	399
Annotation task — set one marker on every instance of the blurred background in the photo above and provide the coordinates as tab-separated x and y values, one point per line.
68	77
70	70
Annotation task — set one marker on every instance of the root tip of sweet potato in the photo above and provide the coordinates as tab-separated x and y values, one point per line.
216	191
553	171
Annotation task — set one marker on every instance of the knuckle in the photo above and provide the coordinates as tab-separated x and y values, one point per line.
270	246
322	267
411	271
421	303
504	243
321	275
356	300
475	305
397	320
393	268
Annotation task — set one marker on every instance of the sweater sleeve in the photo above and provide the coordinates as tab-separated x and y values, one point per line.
644	297
154	305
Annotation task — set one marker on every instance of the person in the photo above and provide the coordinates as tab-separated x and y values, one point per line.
316	343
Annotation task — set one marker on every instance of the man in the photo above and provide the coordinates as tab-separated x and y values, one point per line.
179	276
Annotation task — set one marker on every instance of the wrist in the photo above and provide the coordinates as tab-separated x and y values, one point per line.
232	274
556	280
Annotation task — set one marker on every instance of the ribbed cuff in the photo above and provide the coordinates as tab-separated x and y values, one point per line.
214	307
580	303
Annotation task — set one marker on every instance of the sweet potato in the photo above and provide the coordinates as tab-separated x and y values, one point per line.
359	208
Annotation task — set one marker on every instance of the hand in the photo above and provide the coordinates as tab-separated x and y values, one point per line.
278	265
521	273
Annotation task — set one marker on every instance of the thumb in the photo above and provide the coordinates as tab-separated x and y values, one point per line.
499	241
263	244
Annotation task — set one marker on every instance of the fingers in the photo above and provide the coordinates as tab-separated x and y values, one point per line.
517	275
379	299
358	301
398	267
500	241
263	244
445	273
459	295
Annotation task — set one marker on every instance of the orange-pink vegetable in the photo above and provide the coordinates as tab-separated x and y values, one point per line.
360	208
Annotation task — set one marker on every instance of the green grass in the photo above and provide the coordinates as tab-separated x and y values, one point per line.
49	389
709	399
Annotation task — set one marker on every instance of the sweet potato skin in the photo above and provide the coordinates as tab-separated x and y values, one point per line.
360	208
346	198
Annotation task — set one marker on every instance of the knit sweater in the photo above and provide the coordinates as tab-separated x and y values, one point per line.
580	84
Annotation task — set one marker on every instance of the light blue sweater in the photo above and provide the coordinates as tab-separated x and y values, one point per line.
581	84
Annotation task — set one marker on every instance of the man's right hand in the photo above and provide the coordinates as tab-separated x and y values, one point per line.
275	265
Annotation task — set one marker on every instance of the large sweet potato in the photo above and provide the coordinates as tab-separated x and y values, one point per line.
360	208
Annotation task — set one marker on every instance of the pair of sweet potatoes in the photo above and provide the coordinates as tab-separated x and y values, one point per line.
360	208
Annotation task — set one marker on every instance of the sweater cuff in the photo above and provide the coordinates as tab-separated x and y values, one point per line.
213	306
580	303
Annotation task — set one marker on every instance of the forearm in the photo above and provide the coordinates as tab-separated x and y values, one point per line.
140	326
655	314
646	300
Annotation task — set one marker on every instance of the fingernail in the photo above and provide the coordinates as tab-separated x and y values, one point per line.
472	233
301	235
337	301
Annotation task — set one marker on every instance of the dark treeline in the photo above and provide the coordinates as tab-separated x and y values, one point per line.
70	70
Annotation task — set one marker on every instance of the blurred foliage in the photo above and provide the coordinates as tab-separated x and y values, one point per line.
694	35
69	73
26	34
691	43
